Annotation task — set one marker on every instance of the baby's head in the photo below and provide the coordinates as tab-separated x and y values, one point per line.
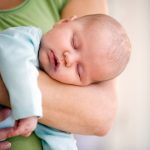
85	50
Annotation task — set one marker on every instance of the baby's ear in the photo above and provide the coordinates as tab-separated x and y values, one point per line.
73	18
65	20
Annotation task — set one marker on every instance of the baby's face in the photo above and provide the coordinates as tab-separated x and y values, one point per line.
70	54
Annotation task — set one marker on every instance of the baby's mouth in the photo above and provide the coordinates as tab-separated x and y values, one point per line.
53	60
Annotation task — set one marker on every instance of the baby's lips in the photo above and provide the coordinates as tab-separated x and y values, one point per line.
53	60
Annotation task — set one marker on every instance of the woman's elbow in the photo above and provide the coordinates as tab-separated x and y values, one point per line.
103	128
103	123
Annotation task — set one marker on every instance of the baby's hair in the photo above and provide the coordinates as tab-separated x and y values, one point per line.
119	47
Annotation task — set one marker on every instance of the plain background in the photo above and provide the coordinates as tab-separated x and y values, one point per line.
131	130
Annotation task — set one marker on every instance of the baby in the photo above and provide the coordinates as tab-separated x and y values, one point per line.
85	50
78	51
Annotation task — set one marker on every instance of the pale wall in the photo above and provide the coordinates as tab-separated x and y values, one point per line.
131	129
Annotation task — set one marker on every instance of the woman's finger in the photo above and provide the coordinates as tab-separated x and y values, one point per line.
5	145
4	113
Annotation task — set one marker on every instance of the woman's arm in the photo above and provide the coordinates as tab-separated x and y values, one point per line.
83	110
84	7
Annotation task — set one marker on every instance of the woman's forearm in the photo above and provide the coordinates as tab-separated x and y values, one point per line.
83	110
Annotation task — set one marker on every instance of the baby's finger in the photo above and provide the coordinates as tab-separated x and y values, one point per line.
17	131
24	131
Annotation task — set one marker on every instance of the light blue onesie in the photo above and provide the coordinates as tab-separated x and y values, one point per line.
19	70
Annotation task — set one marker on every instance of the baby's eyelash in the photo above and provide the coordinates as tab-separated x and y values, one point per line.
74	43
78	72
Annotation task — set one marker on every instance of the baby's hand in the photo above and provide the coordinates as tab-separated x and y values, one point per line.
26	126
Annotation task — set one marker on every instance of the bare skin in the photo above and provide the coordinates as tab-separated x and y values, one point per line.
4	132
9	4
88	110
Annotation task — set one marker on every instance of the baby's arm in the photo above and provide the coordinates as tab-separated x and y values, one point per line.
17	67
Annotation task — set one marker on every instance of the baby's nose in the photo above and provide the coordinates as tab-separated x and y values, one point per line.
69	59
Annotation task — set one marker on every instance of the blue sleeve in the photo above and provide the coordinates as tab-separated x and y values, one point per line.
18	67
